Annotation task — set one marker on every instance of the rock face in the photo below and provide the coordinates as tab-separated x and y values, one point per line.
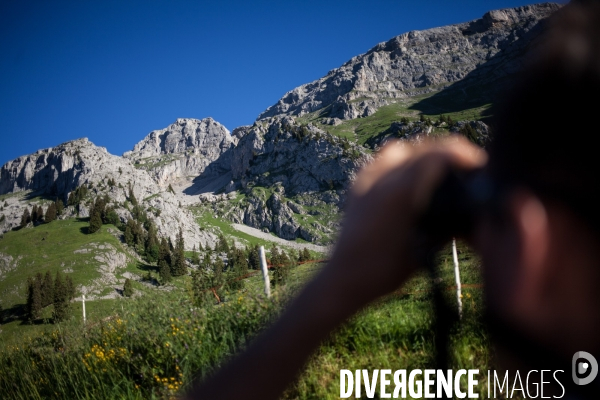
488	50
57	171
280	167
279	175
299	158
184	148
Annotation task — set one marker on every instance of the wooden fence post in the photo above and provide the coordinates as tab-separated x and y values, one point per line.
265	271
457	278
83	304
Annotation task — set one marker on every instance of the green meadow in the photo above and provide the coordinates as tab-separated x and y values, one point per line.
152	346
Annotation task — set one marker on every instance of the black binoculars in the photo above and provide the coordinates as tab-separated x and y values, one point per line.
457	203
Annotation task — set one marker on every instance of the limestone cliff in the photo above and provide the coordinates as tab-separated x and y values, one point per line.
57	171
182	149
485	51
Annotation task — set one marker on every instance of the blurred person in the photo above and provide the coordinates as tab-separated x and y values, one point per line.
539	238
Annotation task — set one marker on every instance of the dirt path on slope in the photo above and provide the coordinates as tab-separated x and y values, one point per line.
266	236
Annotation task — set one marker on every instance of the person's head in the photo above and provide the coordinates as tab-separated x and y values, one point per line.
542	255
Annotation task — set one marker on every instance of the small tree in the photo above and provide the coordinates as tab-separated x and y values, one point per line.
164	270
47	290
164	252
50	213
41	213
25	218
171	189
34	214
70	288
205	261
178	267
222	245
152	245
128	288
469	132
59	206
304	255
34	298
281	268
254	258
61	299
195	257
218	271
450	121
238	265
131	196
95	222
112	218
129	236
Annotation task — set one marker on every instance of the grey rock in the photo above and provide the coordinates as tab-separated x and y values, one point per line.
488	50
298	158
59	170
184	148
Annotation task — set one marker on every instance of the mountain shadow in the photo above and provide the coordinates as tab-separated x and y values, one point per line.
488	81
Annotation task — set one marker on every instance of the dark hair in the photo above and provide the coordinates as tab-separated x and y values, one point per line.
546	124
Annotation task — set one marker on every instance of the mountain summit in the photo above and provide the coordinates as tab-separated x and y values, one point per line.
484	52
290	171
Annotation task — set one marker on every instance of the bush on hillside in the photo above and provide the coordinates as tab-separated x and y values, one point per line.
128	288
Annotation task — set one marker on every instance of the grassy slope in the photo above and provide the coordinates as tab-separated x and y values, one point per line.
51	247
176	339
396	333
361	129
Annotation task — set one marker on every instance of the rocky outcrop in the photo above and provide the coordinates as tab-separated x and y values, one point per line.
299	158
281	175
280	166
57	171
183	149
488	49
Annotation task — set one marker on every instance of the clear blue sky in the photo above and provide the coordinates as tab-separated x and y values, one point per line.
113	71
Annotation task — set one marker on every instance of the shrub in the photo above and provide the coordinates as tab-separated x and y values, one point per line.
59	206
469	132
50	213
178	267
33	306
254	258
222	245
128	288
95	222
25	218
62	304
164	271
47	289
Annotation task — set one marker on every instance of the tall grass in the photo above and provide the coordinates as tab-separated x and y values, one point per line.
150	350
156	346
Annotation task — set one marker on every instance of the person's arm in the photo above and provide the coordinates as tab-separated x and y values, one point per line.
373	256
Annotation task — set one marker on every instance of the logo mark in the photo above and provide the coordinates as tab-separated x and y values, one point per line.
584	367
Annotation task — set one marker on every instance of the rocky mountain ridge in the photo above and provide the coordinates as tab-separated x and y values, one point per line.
283	174
57	171
184	148
486	51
